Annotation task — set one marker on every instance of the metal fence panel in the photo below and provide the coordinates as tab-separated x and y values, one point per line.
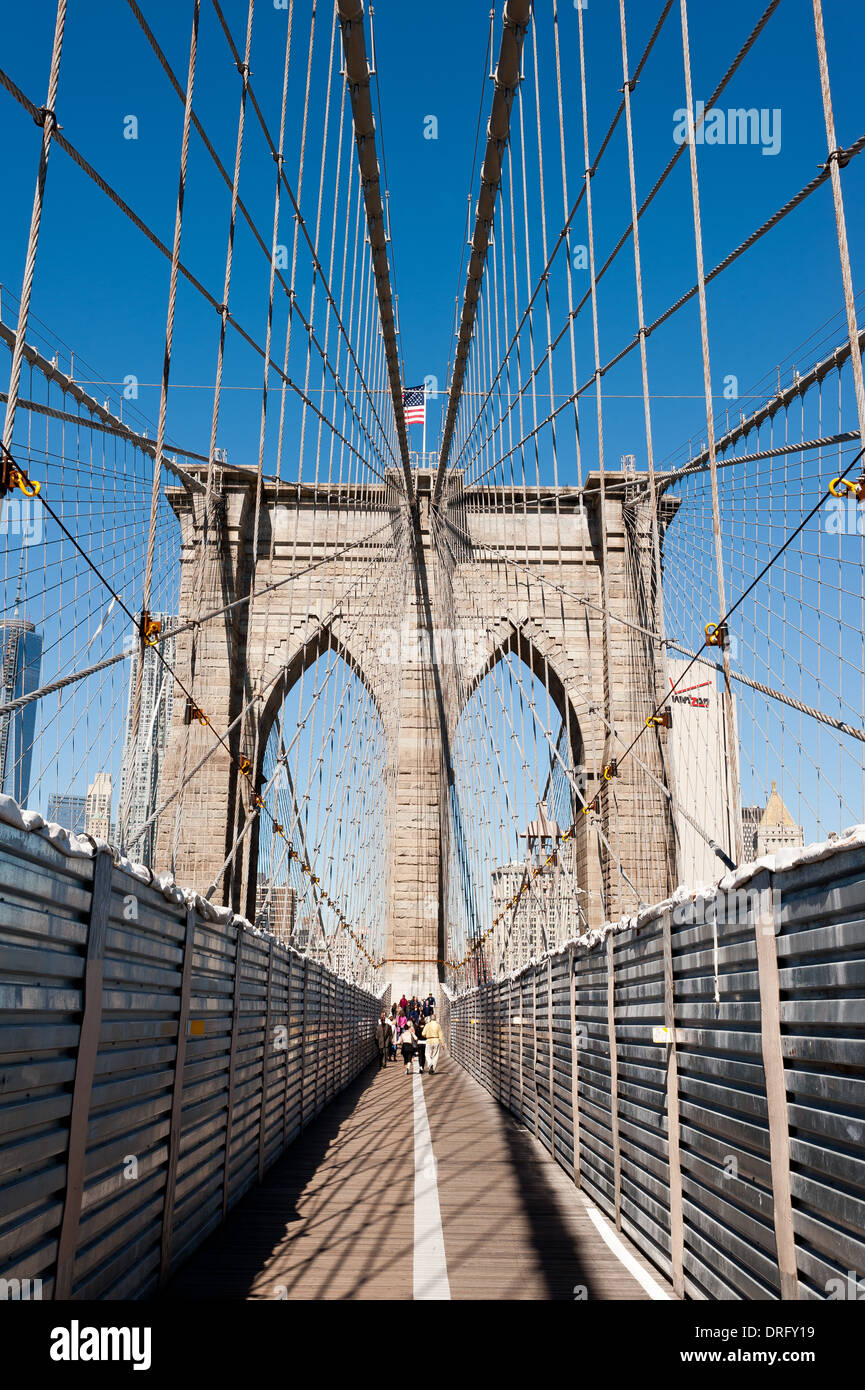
645	1064
155	1065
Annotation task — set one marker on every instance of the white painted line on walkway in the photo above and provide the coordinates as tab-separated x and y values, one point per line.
430	1267
609	1235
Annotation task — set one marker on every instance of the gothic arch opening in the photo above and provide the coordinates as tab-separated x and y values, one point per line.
318	854
514	881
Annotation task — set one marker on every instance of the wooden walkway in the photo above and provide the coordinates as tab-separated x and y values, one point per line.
335	1217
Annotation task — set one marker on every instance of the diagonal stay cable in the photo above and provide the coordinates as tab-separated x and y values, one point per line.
542	278
722	622
74	676
101	183
755	236
304	229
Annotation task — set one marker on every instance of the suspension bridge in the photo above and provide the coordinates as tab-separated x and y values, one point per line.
553	713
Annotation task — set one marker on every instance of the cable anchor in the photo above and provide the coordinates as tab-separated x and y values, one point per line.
151	629
663	720
839	486
717	635
18	478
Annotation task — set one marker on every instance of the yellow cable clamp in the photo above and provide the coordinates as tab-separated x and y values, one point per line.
663	720
716	634
839	486
18	478
150	629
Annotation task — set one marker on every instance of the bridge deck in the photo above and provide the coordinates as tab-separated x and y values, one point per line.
339	1215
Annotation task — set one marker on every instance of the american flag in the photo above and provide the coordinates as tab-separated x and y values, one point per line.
413	400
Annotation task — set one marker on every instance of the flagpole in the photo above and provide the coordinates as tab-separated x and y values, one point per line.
424	425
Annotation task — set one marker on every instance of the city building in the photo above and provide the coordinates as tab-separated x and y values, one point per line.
750	820
546	916
304	931
276	910
777	828
68	810
97	811
20	673
143	757
702	761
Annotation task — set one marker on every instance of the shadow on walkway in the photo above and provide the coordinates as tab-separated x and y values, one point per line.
332	1215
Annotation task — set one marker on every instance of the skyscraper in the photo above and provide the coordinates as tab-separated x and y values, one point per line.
777	828
702	762
544	917
143	757
68	810
276	909
750	820
20	669
97	812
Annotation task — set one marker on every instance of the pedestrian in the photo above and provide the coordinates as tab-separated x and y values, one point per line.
393	1031
429	1004
421	1045
382	1037
403	1005
407	1045
434	1039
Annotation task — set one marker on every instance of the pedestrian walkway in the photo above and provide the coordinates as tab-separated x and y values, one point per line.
416	1187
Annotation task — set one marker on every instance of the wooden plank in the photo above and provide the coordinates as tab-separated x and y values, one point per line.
514	1227
85	1067
175	1123
677	1227
776	1097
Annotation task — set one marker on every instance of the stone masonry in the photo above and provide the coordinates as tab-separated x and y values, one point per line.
513	572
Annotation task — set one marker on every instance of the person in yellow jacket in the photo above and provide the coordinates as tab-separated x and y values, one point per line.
433	1037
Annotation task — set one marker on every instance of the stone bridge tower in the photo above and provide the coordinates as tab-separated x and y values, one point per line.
526	575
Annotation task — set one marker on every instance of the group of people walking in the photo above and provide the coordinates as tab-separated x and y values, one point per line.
412	1030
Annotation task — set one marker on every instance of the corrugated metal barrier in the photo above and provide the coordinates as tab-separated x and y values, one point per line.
731	1147
153	1066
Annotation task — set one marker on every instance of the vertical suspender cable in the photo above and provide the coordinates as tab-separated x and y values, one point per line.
49	123
736	846
163	400
516	21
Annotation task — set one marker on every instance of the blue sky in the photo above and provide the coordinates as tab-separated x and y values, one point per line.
101	288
